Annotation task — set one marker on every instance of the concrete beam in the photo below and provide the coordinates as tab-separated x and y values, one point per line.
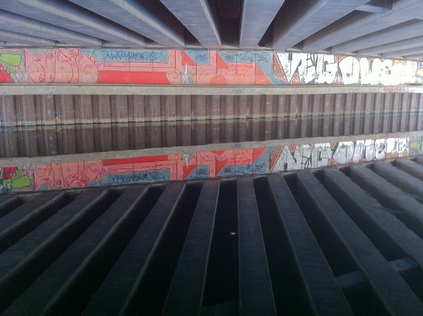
302	18
392	47
9	36
417	51
13	22
359	24
146	17
75	18
390	35
415	57
98	89
377	6
199	17
255	20
12	44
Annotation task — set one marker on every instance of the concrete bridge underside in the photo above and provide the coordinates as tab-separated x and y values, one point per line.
384	28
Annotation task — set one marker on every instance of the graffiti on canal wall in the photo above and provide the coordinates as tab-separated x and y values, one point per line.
199	67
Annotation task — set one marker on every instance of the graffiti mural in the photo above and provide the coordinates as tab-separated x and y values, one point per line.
9	63
12	179
58	66
199	67
204	164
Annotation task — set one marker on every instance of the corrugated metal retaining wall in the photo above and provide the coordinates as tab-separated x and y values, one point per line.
65	124
77	109
325	242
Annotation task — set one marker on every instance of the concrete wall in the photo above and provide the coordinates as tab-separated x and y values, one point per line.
199	67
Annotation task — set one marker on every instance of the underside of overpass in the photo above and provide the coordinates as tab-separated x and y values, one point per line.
201	157
384	28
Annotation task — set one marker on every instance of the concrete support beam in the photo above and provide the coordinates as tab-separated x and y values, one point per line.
417	51
13	22
9	36
12	44
392	46
389	35
359	24
72	17
199	17
106	89
146	17
255	20
377	6
302	18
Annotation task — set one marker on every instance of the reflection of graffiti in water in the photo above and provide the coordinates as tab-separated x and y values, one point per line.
12	179
205	164
135	177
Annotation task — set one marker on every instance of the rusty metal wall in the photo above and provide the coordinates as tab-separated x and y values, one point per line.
25	110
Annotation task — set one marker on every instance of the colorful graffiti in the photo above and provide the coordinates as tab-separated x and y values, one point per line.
204	164
13	179
199	67
9	62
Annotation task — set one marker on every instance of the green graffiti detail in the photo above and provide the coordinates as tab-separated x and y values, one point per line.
10	61
7	185
22	182
18	180
415	145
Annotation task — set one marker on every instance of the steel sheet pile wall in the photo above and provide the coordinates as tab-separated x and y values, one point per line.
333	241
29	110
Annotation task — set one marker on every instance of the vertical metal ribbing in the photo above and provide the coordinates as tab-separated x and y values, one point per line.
324	294
363	208
117	290
394	293
387	194
86	262
192	265
255	285
8	114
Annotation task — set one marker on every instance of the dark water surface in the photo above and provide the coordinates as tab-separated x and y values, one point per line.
90	138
